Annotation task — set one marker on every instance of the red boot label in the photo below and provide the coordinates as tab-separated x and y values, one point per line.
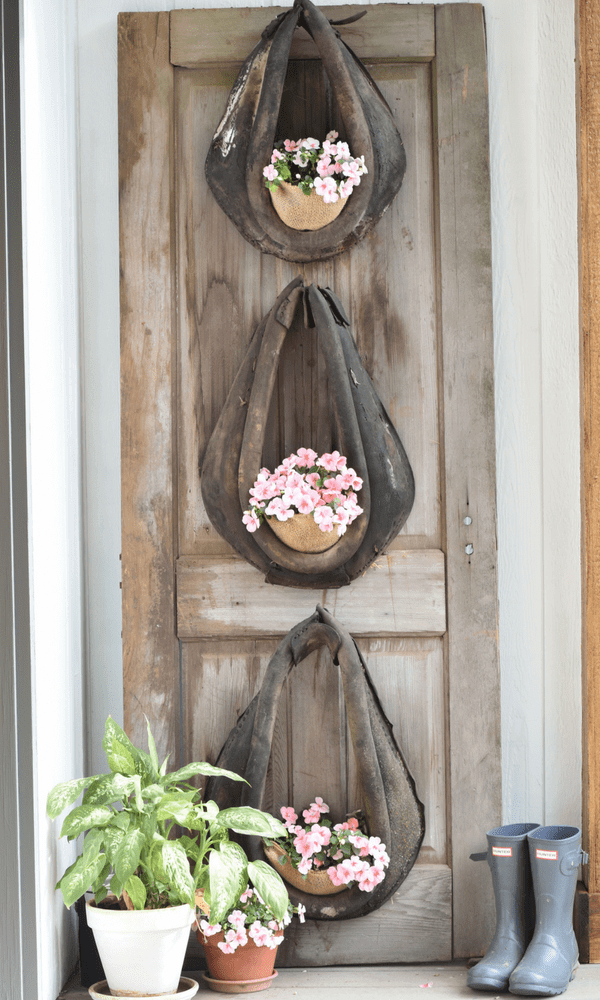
546	855
502	852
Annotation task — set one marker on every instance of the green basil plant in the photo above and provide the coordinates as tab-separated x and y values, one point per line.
131	819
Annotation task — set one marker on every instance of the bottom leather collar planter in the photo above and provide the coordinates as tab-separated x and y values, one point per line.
392	809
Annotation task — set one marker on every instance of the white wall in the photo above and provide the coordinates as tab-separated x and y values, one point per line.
52	344
533	161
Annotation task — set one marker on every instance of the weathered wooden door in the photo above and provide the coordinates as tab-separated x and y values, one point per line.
199	623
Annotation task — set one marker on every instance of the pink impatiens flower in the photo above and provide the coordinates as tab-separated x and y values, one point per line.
333	461
288	815
306	457
326	187
368	879
270	172
335	876
279	510
250	520
209	929
259	934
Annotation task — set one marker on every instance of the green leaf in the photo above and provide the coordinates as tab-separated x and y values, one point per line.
112	839
178	870
201	767
136	890
127	857
97	885
176	805
80	877
148	825
109	788
121	754
270	886
190	847
153	753
228	879
93	843
101	894
83	817
155	861
122	820
163	766
65	794
116	887
244	819
211	810
154	792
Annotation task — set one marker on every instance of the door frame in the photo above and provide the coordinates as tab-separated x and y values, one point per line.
150	644
19	937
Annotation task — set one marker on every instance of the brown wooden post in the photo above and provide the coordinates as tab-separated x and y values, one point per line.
589	224
150	647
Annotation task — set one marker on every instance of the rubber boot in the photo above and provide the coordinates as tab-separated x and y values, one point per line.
508	858
551	958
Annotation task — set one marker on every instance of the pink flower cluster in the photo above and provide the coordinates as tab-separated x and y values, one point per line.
325	488
251	919
347	854
329	170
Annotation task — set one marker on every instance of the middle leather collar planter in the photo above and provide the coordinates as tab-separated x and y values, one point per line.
243	142
362	431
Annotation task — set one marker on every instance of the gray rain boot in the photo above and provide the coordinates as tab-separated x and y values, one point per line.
508	858
551	959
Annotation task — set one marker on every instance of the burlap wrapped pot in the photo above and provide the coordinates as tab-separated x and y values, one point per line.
315	883
304	212
303	534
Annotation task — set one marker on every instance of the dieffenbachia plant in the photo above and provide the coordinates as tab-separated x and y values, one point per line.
130	818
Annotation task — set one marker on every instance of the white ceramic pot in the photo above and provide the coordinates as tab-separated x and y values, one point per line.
142	951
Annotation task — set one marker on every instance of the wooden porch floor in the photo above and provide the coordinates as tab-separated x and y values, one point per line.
380	982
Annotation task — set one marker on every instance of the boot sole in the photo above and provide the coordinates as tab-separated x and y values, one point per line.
537	991
489	984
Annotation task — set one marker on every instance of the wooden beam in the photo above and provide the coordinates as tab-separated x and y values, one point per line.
460	80
589	222
198	37
402	592
150	648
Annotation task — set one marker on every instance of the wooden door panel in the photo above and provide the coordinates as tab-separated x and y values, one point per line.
199	624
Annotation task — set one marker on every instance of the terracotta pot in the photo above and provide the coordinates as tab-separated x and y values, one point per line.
302	533
315	883
249	967
304	212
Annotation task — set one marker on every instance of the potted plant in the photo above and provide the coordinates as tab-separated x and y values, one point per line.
308	501
133	848
310	183
322	859
240	950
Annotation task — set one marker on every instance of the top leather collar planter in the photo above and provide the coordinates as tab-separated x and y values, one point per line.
363	432
244	140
